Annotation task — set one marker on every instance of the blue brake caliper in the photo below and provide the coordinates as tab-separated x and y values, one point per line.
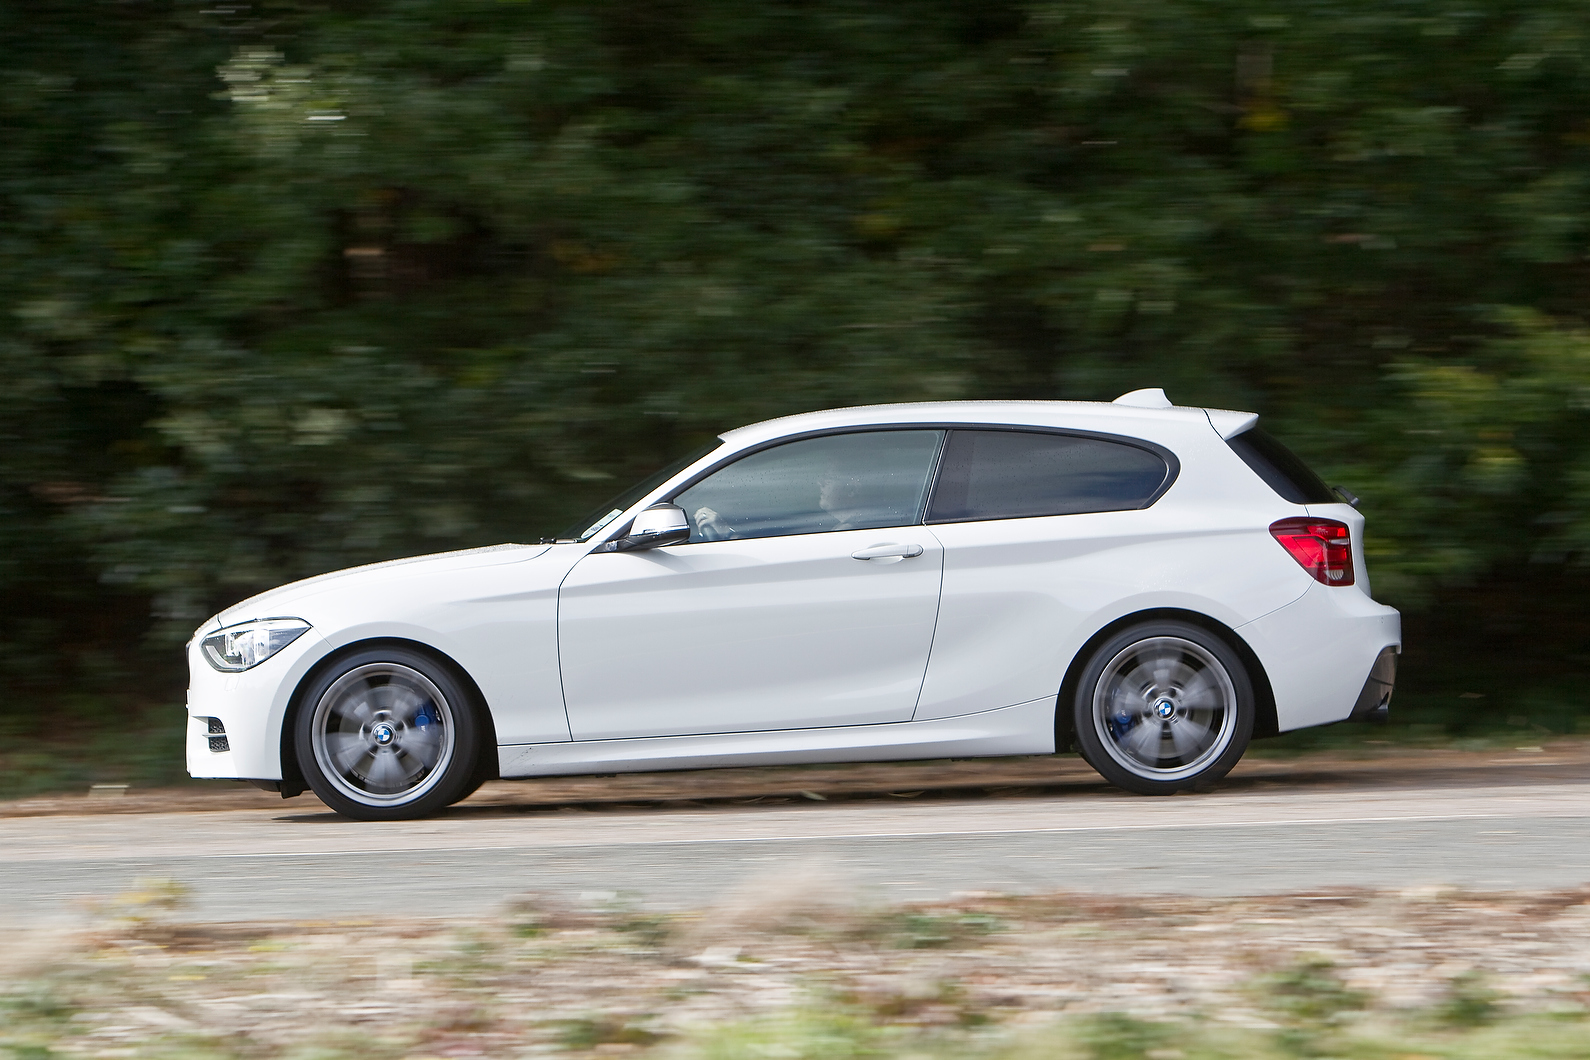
1119	723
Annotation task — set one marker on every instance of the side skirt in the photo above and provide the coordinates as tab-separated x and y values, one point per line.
1023	729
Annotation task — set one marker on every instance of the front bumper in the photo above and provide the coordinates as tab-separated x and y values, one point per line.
235	720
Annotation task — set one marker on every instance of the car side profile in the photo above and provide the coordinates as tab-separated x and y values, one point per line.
1151	584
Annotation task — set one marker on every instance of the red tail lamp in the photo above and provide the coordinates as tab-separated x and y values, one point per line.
1323	547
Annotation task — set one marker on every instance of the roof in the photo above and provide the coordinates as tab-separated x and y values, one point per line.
1103	416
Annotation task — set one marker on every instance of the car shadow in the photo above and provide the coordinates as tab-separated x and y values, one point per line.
740	790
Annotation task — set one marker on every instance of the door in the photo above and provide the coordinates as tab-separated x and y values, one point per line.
806	597
1040	530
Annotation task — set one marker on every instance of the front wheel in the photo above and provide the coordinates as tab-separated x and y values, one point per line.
387	734
1164	707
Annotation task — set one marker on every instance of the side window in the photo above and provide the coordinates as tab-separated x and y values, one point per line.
1281	469
835	482
1011	474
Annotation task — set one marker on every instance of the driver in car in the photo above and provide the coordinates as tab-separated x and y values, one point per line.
838	495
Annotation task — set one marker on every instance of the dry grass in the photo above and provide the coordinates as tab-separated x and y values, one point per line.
791	970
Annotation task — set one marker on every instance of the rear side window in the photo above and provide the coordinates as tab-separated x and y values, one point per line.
1282	469
1012	474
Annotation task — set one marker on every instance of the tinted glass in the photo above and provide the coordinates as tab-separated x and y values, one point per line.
1011	474
1281	468
836	482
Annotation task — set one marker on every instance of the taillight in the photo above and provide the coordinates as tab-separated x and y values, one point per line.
1323	547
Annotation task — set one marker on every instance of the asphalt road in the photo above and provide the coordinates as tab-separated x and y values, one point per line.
1485	832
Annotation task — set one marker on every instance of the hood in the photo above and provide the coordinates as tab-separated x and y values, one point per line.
276	603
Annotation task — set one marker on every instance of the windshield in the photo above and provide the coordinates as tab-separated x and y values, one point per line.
594	522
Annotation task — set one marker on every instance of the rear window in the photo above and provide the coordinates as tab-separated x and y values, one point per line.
1013	474
1281	468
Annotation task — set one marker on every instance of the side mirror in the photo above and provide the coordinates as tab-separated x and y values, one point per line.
661	524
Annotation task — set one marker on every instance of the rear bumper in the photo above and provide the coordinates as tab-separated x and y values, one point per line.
1374	702
1317	650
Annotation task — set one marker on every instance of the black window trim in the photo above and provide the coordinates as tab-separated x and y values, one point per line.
1172	469
1172	464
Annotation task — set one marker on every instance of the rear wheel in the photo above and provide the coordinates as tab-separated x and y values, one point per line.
1164	707
387	734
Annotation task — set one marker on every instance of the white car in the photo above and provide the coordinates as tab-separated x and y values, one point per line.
1152	584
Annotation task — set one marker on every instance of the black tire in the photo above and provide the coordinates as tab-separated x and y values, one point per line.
388	734
485	769
1163	707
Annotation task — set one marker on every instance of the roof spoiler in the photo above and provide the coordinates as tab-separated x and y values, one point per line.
1226	424
1229	424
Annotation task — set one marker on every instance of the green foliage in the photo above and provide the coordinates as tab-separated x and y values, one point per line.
1472	1002
291	286
1114	1036
650	931
825	1034
95	740
1308	992
589	1033
909	930
1503	456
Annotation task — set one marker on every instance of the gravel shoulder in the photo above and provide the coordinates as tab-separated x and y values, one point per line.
1564	758
790	968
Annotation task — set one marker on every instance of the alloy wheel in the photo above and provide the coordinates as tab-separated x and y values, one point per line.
383	734
1165	708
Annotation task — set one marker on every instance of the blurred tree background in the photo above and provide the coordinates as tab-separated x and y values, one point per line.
289	286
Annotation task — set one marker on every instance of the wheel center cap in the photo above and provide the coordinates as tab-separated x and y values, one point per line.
1164	708
383	734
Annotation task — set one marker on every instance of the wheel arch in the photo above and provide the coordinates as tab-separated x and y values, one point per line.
293	782
1265	722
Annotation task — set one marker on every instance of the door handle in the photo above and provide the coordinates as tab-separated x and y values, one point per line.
890	551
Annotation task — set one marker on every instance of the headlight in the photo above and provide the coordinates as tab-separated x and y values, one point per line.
251	643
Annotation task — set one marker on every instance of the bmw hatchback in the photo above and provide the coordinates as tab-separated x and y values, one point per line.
1152	585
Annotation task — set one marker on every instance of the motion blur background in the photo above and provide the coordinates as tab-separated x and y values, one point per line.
291	286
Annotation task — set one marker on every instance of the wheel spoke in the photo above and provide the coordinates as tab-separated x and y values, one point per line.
404	703
424	744
1139	676
358	771
1187	741
1143	741
1161	665
381	697
1195	691
413	766
386	776
345	748
358	711
1123	701
1182	674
